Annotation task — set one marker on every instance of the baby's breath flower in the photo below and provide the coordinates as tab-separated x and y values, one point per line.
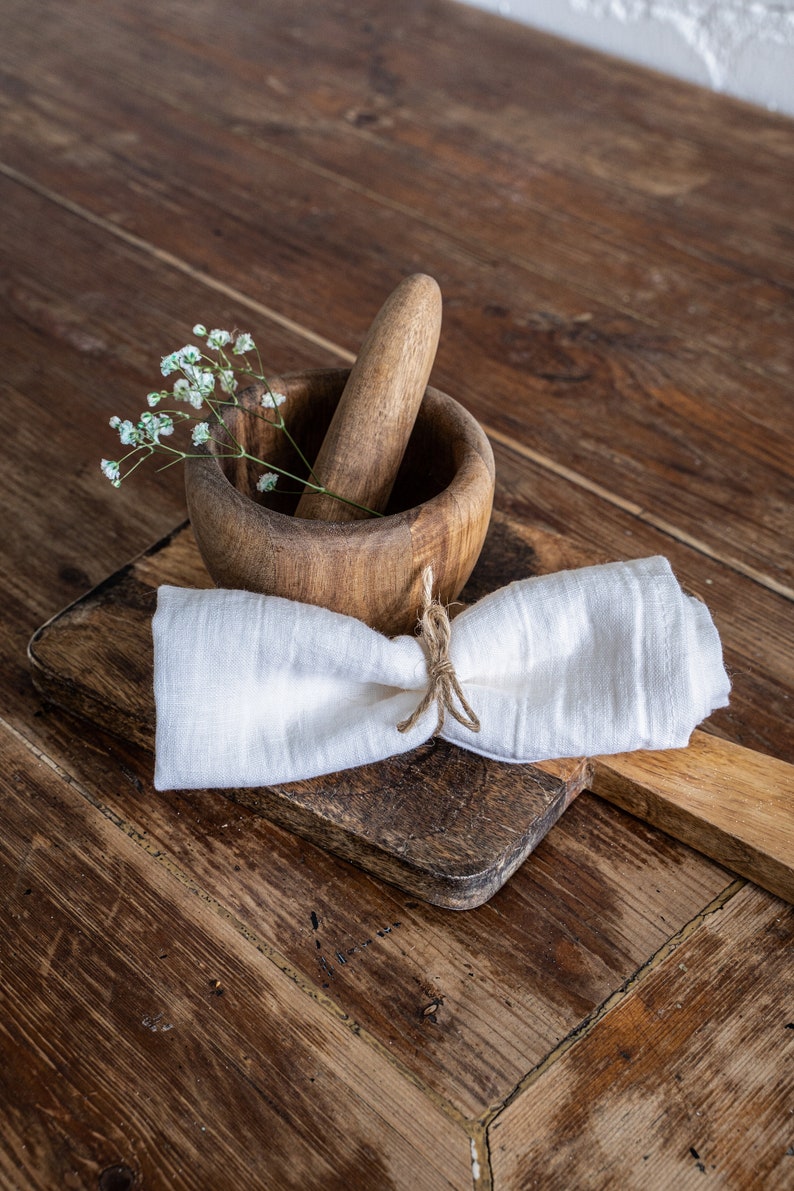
128	434
210	378
198	384
200	378
170	364
227	380
152	426
190	354
110	469
272	400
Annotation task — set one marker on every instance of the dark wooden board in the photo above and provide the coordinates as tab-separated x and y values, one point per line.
439	822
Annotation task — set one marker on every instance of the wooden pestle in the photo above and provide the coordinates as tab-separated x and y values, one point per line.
368	434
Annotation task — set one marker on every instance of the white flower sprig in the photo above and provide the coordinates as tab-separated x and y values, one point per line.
207	381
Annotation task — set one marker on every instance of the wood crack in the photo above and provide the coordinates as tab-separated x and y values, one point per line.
590	1023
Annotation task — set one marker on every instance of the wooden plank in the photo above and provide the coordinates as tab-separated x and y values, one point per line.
732	804
543	350
469	1003
141	1027
663	167
689	1075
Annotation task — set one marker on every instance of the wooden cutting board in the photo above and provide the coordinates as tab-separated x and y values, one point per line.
441	823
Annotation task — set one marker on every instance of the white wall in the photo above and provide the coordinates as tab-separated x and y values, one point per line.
743	47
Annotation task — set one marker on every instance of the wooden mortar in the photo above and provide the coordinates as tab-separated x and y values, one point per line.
438	512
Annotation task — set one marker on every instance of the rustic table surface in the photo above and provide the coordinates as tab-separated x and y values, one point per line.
191	996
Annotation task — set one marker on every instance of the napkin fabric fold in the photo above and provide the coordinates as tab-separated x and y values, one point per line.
255	690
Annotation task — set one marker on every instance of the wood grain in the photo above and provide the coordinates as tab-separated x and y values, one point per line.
672	173
674	1084
735	805
142	1028
367	436
468	1003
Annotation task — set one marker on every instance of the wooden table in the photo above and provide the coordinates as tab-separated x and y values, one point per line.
192	997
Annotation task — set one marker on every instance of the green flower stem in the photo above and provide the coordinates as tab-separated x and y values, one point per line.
137	462
228	365
179	456
200	373
281	425
320	489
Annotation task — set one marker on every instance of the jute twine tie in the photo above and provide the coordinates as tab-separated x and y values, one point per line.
443	686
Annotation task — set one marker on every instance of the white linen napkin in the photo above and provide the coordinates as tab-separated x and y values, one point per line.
256	690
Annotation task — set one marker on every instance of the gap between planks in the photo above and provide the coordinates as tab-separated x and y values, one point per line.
637	511
538	458
137	835
589	1024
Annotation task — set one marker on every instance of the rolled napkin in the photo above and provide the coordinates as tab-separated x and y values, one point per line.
255	690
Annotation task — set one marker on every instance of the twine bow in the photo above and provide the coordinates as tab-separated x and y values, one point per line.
443	686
